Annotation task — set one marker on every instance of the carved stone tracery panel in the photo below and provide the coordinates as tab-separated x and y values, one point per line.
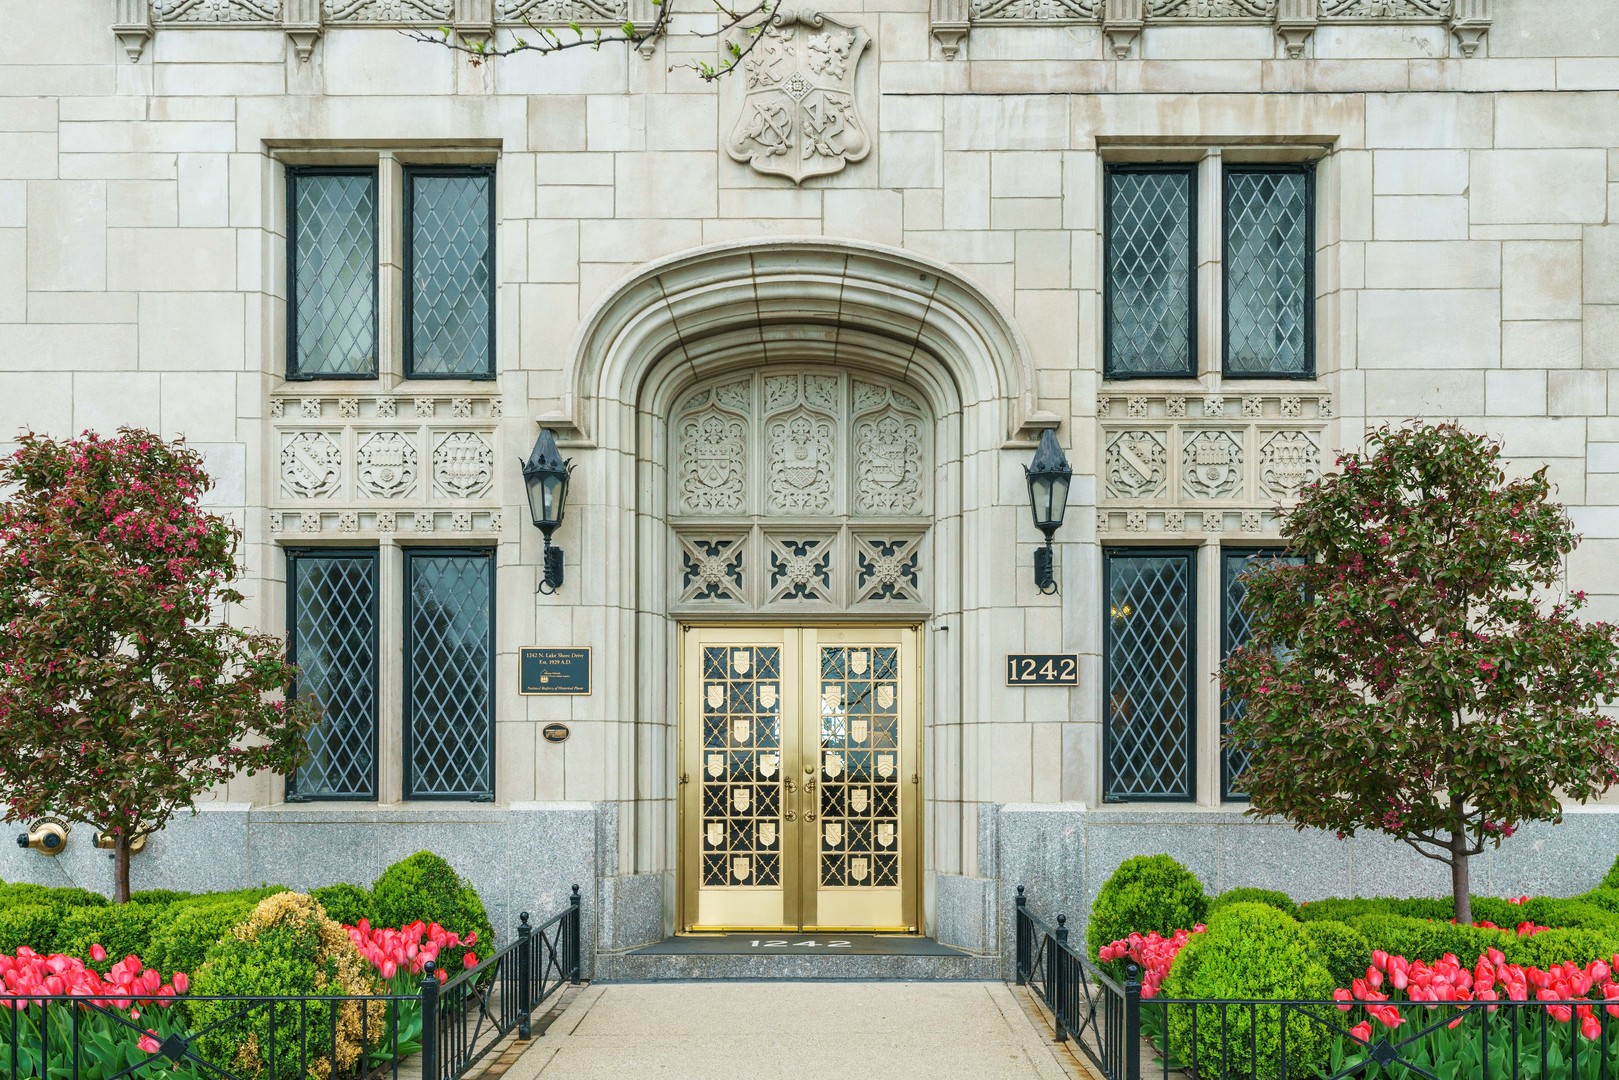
806	459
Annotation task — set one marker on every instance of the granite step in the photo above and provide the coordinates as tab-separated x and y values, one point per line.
865	957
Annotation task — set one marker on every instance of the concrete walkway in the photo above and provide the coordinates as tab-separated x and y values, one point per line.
794	1031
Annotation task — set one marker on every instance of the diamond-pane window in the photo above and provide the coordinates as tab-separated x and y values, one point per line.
1149	750
451	272
332	263
1268	279
1236	623
332	638
1151	270
449	674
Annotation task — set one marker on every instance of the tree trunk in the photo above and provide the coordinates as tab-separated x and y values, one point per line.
1458	882
120	887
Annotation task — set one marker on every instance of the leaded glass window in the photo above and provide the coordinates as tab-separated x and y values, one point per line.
332	638
1269	254
450	225
1236	622
332	267
1149	749
1151	235
449	674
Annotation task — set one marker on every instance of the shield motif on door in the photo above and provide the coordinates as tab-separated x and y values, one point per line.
741	661
885	765
714	694
857	730
767	833
832	831
742	868
833	766
768	764
858	661
859	867
885	833
741	729
859	799
767	695
831	698
716	833
716	765
885	696
741	798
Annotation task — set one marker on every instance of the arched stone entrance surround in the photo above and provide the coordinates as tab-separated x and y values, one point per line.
812	301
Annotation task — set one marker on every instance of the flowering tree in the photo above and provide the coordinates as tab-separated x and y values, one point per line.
1414	676
123	692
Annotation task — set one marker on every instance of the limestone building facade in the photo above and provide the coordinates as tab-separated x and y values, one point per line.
799	330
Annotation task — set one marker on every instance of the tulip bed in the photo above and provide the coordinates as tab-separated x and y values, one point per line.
81	1009
1378	988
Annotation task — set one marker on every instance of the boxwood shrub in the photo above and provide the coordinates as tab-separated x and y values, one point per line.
424	886
346	904
121	929
1338	947
1249	952
1429	939
1278	900
1550	947
1147	892
33	925
182	941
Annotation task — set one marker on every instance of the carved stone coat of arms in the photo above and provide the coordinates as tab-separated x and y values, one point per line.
799	115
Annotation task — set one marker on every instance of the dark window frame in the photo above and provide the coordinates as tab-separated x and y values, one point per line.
293	173
408	709
1307	170
1190	555
292	556
411	173
1190	171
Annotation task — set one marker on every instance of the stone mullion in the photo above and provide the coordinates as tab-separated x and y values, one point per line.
390	671
1210	253
391	240
1207	670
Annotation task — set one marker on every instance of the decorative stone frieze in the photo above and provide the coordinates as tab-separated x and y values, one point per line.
799	115
1210	463
351	465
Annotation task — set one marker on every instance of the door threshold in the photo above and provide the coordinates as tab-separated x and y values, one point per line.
779	943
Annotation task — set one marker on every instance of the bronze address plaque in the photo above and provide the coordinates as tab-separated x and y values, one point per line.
555	670
1042	669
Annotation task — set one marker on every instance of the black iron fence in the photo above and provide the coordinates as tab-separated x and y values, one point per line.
1554	1035
448	1027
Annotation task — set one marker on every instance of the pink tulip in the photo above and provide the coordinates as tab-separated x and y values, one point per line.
469	960
148	1042
1361	1032
389	969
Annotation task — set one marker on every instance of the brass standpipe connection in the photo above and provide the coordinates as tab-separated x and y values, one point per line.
48	836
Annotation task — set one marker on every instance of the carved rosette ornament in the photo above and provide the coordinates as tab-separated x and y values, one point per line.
799	115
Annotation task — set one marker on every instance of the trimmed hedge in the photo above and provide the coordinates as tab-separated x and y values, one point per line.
1429	939
347	904
1550	947
22	892
1278	900
1250	952
424	886
1340	948
121	929
33	925
1346	909
183	941
1146	893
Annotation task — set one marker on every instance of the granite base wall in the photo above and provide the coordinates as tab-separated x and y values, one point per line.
1063	853
521	857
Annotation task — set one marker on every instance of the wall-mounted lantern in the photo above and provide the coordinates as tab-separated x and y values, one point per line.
1049	475
545	475
48	836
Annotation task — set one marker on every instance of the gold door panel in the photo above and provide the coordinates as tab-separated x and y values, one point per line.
801	792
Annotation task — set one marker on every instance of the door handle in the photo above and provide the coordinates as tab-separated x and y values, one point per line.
790	816
788	781
809	787
809	815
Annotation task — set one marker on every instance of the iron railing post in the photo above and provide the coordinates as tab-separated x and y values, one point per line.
1021	936
430	1032
1132	1024
573	935
525	999
1057	967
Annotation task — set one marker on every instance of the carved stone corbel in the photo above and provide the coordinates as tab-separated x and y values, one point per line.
949	23
1469	22
132	26
1122	21
643	14
474	21
1296	20
301	19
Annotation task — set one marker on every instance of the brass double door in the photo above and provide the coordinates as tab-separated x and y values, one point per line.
801	792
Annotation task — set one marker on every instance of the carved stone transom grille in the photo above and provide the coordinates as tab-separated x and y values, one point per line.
1181	464
800	490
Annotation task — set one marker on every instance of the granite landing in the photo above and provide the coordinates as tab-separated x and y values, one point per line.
816	957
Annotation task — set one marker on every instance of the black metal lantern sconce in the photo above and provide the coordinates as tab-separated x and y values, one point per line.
545	475
1049	475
